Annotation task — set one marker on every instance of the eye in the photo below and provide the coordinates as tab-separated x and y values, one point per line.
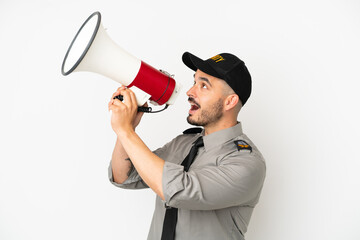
203	85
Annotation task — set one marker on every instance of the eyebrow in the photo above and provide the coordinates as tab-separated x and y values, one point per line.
205	80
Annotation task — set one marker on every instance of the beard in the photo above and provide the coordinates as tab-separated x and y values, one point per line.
208	116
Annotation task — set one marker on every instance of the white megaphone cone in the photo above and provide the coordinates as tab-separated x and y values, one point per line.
92	50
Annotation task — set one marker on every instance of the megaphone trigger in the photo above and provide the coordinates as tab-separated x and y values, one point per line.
120	97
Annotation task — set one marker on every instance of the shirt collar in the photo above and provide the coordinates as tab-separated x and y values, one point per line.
220	137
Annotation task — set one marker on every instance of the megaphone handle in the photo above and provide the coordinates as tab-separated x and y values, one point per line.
140	109
145	109
120	97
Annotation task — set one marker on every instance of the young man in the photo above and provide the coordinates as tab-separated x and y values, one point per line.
209	193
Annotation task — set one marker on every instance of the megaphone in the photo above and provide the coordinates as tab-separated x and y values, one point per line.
92	50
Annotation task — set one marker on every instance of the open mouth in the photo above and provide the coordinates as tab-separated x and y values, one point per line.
194	106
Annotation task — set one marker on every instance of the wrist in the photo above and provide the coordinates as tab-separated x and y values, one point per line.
125	134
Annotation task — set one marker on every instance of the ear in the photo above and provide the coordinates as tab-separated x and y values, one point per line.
231	101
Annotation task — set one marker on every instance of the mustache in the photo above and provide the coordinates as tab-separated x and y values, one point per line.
191	100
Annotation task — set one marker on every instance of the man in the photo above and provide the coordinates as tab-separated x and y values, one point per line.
209	193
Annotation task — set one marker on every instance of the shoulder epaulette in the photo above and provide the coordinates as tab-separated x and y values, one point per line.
193	130
242	145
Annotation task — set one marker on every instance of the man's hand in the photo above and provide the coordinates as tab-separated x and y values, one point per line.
125	116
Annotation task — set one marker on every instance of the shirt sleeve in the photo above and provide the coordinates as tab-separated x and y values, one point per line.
237	180
134	181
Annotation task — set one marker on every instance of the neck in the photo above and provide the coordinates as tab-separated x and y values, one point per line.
219	125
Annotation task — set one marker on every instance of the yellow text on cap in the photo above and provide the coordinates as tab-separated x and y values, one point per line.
217	58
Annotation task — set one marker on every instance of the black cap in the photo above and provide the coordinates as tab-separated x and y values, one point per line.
227	67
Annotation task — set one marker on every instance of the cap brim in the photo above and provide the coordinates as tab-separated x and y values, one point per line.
195	63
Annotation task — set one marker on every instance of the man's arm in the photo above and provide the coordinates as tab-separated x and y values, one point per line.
237	179
120	163
148	165
124	118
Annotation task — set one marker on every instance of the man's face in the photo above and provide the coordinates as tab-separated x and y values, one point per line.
206	98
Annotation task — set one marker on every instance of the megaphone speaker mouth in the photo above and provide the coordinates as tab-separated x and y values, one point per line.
81	43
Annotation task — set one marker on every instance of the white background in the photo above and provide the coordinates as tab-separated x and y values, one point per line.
56	139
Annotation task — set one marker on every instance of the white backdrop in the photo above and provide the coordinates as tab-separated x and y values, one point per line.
56	139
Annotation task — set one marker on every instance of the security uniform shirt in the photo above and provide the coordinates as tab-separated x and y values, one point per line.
216	197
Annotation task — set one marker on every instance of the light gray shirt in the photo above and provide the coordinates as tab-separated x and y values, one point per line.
216	197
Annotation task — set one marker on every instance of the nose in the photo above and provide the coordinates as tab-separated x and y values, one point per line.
191	91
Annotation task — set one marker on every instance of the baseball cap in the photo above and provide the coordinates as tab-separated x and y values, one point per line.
225	66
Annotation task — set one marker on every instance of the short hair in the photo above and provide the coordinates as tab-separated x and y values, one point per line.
227	90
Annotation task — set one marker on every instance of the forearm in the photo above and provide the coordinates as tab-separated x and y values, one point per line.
148	165
120	163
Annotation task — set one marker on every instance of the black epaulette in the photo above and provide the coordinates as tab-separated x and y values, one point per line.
193	130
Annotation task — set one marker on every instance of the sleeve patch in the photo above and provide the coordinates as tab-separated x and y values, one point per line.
242	145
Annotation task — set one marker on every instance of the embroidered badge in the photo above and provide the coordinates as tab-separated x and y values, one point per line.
242	145
218	58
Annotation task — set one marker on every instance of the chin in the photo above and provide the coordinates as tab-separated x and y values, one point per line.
191	121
